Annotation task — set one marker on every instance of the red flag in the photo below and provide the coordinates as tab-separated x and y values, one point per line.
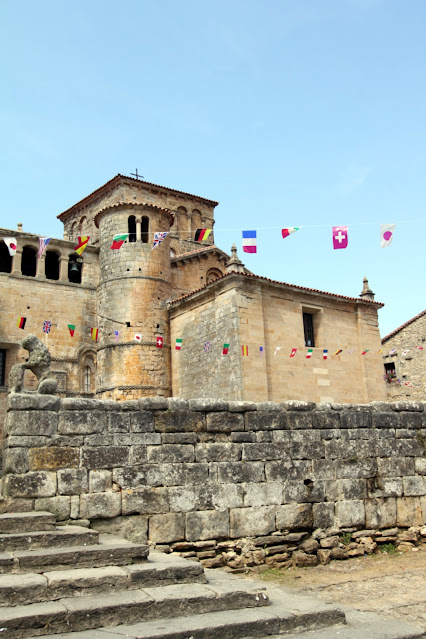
293	352
159	341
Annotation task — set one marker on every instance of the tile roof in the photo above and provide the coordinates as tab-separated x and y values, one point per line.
294	286
131	205
120	177
410	321
203	249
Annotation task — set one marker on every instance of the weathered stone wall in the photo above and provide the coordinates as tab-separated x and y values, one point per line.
175	471
410	368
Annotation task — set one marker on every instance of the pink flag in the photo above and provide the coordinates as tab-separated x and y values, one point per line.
340	237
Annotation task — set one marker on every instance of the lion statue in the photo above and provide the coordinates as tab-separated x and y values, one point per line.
39	363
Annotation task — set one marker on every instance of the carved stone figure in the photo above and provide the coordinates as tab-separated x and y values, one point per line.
39	363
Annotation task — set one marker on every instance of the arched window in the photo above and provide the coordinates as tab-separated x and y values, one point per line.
172	253
131	222
5	259
213	274
195	221
145	229
83	223
87	380
29	261
73	232
51	266
75	267
182	222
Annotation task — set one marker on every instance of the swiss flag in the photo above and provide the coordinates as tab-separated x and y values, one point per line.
159	341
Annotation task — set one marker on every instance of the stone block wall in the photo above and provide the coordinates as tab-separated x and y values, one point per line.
191	471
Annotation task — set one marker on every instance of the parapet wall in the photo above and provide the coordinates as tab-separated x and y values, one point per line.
198	470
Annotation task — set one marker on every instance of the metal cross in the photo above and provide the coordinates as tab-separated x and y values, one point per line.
137	176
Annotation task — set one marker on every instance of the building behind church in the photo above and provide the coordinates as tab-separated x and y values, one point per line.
181	290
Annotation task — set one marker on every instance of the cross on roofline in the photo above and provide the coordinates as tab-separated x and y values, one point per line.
137	176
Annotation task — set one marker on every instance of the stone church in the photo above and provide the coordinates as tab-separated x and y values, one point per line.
138	297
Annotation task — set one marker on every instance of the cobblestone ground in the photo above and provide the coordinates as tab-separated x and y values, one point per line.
390	585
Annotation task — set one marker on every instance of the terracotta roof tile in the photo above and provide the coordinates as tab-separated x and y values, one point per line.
131	205
410	321
203	249
295	286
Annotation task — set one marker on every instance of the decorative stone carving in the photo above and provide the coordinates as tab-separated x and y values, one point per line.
39	363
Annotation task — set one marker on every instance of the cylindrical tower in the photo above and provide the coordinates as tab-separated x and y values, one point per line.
134	286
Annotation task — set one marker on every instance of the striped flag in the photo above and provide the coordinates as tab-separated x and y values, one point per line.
338	352
309	353
118	240
94	333
42	244
202	234
249	242
178	344
225	349
116	335
244	350
82	243
325	353
71	328
21	322
293	352
365	352
261	351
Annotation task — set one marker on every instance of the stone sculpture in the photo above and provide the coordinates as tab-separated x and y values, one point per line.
39	363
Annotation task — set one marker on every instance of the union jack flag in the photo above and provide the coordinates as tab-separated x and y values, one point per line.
158	238
206	347
47	326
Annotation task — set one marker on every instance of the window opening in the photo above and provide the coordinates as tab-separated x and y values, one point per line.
145	229
29	261
87	379
308	328
390	371
51	266
75	267
5	259
2	367
131	222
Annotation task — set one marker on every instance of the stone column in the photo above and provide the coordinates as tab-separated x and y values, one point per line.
189	220
63	269
138	230
17	262
41	267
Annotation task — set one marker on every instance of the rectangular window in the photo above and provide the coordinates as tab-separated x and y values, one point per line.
308	329
2	367
390	371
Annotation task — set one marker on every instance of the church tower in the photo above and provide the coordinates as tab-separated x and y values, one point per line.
134	286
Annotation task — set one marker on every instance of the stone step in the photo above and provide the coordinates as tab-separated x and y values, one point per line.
87	613
18	589
96	556
27	522
58	537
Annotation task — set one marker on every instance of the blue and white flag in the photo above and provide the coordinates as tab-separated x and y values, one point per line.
158	238
249	242
43	242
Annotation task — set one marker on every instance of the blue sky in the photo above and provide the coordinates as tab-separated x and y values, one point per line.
290	113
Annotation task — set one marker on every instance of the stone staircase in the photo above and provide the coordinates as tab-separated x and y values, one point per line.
74	583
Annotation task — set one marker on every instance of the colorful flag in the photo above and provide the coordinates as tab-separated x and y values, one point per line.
386	234
21	322
116	335
380	351
325	353
420	348
225	349
159	341
392	351
351	351
158	238
261	351
11	244
288	231
138	337
71	328
206	347
42	244
244	350
83	240
340	237
178	345
309	353
118	240
202	234
405	352
293	352
94	332
47	326
249	242
338	352
277	349
365	352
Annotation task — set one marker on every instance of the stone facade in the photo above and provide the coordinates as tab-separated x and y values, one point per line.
405	359
175	470
182	289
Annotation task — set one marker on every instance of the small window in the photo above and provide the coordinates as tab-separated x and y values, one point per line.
2	367
83	223
5	259
172	253
75	267
29	261
145	229
213	274
390	371
308	328
51	265
87	379
131	223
